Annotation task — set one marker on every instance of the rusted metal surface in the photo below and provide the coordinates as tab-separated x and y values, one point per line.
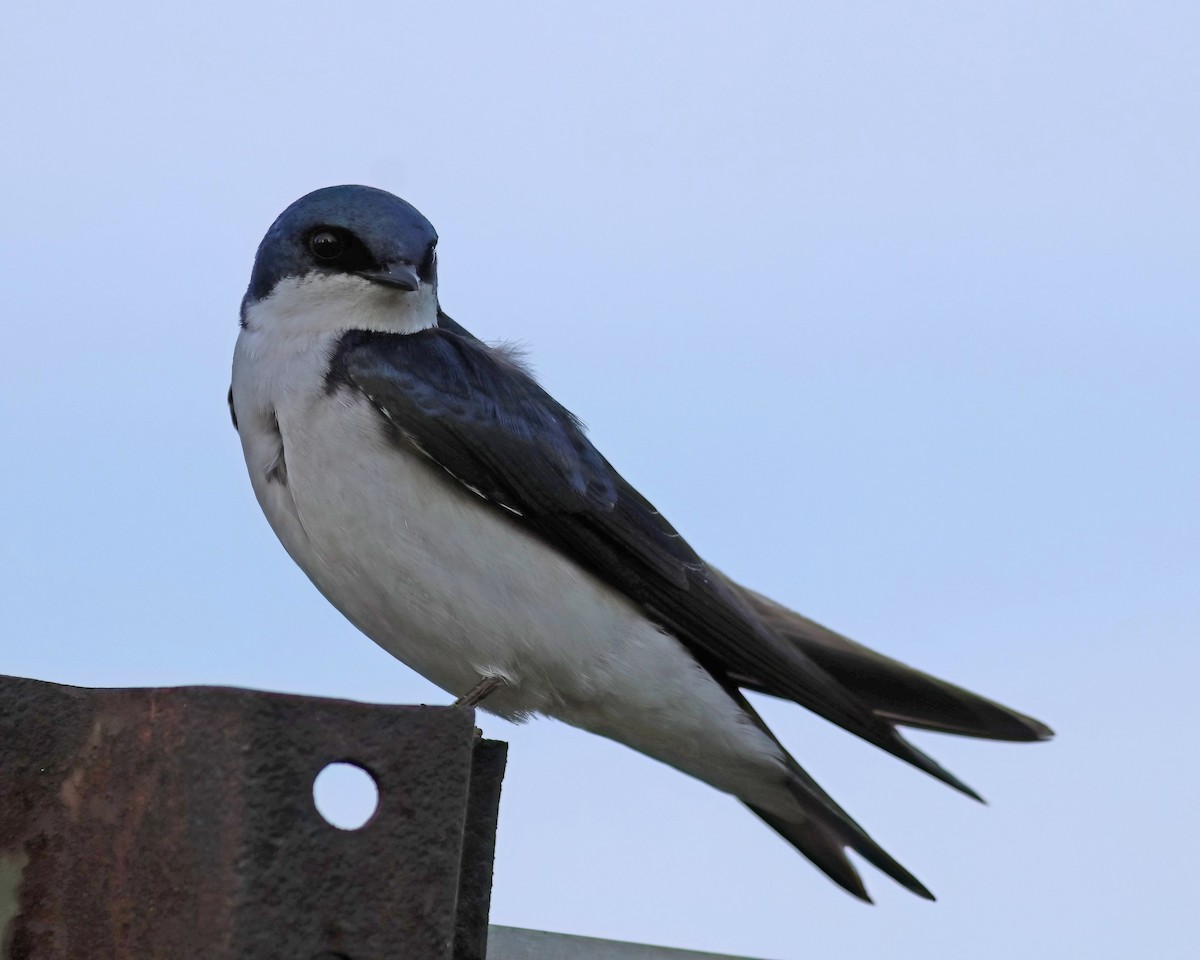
179	823
479	850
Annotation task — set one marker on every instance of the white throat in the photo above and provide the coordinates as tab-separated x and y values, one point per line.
331	303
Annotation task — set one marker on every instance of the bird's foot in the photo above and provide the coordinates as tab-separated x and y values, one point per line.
481	691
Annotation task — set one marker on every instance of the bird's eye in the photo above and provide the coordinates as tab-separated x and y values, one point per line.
326	245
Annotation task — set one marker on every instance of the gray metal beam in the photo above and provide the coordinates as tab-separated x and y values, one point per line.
514	943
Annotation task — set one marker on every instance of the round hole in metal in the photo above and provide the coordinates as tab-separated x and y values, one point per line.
346	795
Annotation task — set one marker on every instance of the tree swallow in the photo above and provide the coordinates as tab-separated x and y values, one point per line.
457	515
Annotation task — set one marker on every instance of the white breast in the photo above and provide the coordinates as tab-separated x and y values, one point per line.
452	586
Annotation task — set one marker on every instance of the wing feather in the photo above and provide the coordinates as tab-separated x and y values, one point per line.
479	414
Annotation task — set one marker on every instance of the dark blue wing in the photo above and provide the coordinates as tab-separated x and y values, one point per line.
479	415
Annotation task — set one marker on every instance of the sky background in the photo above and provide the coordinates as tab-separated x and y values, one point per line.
890	307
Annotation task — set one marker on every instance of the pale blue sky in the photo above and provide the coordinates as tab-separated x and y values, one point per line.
890	307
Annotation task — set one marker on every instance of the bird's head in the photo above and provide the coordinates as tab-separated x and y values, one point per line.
351	247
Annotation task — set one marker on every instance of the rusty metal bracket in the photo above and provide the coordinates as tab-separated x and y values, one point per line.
179	823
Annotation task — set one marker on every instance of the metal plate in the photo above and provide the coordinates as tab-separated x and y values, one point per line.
179	823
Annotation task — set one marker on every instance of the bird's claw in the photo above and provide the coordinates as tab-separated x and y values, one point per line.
481	691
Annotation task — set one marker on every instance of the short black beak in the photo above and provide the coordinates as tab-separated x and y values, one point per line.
400	275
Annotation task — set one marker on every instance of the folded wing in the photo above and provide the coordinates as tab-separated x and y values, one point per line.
891	689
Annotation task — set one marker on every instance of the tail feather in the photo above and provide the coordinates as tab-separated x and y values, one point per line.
822	831
892	694
825	848
822	848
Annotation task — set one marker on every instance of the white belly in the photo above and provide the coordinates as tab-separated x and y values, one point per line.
458	591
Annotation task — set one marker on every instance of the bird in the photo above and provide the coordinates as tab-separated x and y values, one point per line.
459	516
